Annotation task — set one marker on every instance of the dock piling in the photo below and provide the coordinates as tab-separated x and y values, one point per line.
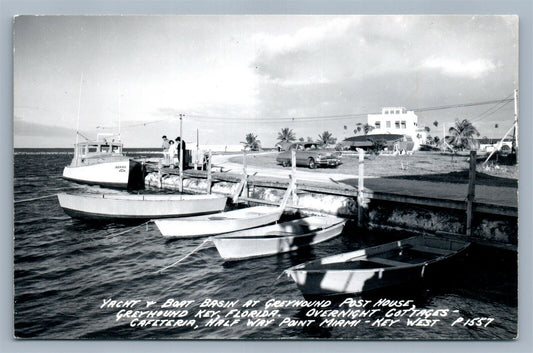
244	176
471	193
360	189
209	175
293	177
160	174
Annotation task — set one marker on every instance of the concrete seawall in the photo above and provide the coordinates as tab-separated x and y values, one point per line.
494	225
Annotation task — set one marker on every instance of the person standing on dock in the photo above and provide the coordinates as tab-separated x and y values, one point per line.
166	143
166	146
173	154
181	145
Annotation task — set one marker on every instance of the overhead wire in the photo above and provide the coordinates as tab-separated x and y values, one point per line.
201	118
492	110
344	116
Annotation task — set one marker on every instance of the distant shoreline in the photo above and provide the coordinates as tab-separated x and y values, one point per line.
59	150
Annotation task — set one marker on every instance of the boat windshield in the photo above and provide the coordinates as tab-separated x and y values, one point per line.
88	149
89	152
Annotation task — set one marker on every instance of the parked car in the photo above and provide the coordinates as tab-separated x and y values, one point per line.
309	154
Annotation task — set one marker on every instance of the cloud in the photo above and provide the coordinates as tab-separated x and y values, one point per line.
461	68
359	64
25	128
305	56
224	71
307	37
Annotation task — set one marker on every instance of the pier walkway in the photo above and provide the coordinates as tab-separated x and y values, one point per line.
504	196
489	198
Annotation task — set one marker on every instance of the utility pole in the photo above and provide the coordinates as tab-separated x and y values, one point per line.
514	129
515	133
197	149
181	153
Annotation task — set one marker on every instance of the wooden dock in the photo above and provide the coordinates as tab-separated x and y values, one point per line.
378	202
340	189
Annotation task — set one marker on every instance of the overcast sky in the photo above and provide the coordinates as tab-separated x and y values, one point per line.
231	75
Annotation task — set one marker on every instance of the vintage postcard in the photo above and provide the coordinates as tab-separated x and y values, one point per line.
246	177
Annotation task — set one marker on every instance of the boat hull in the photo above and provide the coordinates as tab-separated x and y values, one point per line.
224	222
278	238
114	206
350	282
122	173
382	266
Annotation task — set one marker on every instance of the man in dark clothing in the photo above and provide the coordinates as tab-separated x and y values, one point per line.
181	144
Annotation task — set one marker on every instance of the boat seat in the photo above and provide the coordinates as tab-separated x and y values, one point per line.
430	250
383	261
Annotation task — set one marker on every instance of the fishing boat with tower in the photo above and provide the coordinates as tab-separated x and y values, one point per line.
102	162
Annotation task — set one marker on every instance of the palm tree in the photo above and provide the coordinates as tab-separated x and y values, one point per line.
252	142
286	135
427	129
436	123
462	134
326	138
367	128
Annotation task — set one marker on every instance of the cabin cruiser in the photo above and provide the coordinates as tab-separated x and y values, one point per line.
102	162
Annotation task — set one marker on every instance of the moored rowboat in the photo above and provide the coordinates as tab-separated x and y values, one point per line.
380	266
277	238
110	206
219	223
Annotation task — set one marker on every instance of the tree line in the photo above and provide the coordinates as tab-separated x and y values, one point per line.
461	136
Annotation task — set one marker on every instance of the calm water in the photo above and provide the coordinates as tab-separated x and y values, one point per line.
65	268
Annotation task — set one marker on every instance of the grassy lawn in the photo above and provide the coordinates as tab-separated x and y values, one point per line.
420	165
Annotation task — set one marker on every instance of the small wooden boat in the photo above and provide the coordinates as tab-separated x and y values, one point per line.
125	206
223	222
102	162
380	266
277	238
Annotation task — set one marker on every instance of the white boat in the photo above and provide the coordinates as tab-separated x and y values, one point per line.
223	222
385	265
127	206
278	238
102	162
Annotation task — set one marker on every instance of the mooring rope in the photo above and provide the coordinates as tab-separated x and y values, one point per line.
130	229
186	256
281	274
35	198
274	282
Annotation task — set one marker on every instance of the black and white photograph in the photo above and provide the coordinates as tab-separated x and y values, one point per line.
266	177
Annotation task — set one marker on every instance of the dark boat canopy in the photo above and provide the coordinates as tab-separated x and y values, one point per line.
375	137
402	142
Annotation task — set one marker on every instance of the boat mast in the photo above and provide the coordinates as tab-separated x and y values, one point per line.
119	104
79	109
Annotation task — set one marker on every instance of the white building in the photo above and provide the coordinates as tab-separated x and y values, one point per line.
397	120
